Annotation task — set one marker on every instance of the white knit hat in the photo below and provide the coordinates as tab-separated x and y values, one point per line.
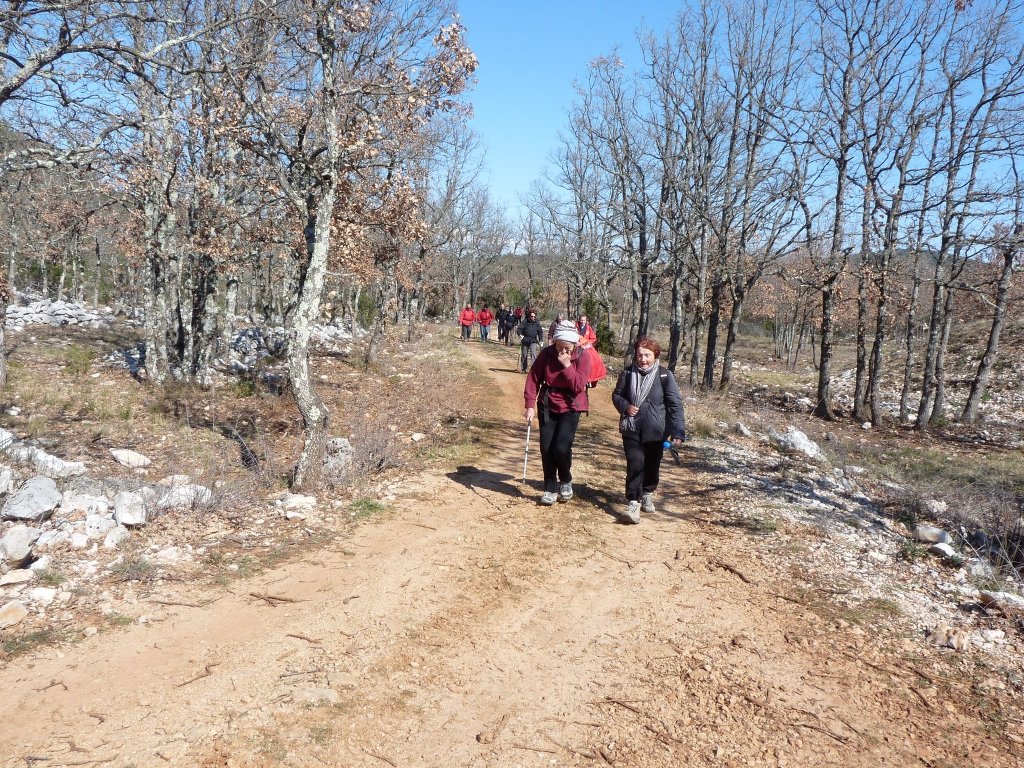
566	331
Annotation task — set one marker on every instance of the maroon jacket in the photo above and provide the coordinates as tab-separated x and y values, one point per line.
567	387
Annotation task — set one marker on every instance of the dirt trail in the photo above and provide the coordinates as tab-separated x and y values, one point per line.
471	627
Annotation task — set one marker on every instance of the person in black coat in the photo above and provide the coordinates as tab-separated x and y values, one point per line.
531	335
651	411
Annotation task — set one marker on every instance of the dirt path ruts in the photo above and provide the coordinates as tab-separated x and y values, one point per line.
472	627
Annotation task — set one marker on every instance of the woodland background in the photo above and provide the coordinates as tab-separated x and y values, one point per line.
799	174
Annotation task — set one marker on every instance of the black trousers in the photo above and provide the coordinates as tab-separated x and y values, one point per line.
557	432
643	466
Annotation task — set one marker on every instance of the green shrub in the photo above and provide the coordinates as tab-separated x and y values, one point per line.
78	360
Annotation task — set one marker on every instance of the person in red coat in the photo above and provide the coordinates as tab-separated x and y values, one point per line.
556	390
466	320
484	318
588	336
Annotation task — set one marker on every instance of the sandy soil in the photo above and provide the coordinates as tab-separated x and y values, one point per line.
471	627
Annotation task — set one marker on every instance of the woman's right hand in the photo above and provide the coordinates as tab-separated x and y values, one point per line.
529	415
632	410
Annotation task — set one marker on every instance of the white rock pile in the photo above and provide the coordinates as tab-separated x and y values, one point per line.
48	312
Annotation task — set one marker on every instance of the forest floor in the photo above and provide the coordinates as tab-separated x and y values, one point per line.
462	624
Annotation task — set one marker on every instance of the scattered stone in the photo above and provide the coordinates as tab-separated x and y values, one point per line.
79	540
948	637
8	479
297	502
293	515
16	545
81	502
944	551
417	437
12	613
97	526
89	631
115	537
929	534
40	564
34	501
129	508
795	441
338	454
42	595
743	430
935	508
19	576
129	458
866	425
992	636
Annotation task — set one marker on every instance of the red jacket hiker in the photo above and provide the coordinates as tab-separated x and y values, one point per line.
588	336
567	387
485	317
468	317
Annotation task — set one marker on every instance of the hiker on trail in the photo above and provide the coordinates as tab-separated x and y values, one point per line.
499	320
509	324
466	320
647	397
530	335
588	336
559	319
556	391
484	318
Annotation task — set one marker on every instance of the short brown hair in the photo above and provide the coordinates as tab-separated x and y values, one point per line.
648	343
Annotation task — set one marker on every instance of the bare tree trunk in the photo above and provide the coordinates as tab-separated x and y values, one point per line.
315	417
823	409
938	410
988	360
908	343
861	377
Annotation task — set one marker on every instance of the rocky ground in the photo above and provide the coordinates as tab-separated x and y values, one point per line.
770	612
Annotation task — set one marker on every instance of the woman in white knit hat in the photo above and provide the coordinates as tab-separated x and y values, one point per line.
556	391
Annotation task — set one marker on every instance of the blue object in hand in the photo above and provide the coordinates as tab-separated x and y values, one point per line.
667	444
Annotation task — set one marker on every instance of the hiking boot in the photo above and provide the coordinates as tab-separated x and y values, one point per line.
647	505
632	513
565	492
549	498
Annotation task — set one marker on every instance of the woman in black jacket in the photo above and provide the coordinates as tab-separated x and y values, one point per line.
651	412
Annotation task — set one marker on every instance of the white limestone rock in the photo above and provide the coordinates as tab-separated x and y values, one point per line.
98	526
944	551
795	441
42	595
297	502
129	509
34	501
8	479
12	613
130	459
929	534
115	537
16	545
72	503
19	576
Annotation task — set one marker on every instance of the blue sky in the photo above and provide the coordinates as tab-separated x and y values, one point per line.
530	54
